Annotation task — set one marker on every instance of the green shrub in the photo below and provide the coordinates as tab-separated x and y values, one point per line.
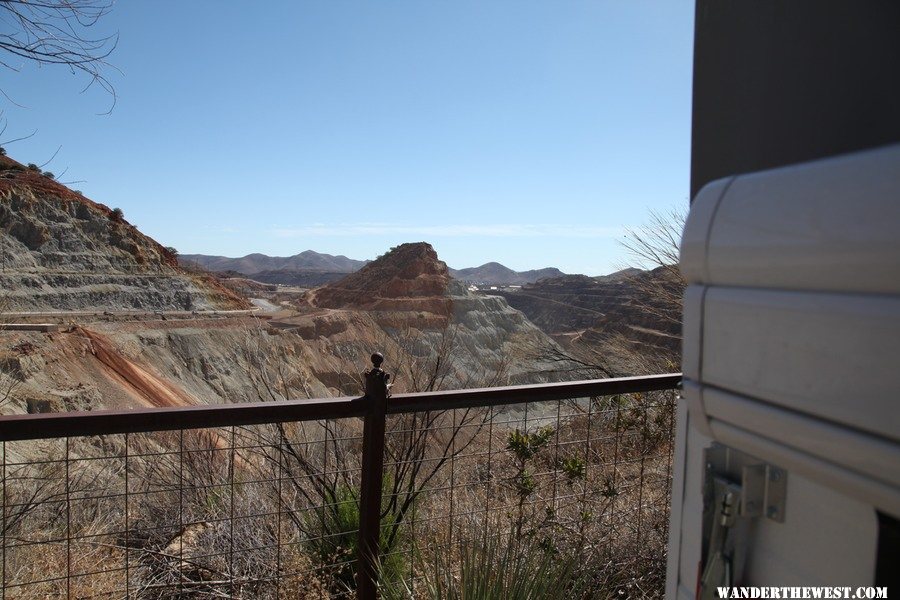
49	174
336	539
525	445
574	468
34	167
117	215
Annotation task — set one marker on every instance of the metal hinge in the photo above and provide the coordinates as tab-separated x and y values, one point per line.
738	486
763	487
763	492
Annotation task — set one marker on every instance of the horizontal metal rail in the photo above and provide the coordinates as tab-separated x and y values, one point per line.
106	422
517	394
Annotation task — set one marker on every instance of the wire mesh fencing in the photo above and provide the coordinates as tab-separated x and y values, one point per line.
247	512
587	480
266	504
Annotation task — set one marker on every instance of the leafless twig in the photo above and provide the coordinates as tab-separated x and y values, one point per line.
56	32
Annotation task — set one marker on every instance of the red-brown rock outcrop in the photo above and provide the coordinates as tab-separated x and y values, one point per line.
410	277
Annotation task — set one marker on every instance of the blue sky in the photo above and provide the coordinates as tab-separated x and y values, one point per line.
530	133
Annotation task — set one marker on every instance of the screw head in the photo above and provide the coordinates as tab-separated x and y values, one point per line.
377	359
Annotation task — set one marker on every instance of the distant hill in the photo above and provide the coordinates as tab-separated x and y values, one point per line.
619	275
308	261
311	268
493	273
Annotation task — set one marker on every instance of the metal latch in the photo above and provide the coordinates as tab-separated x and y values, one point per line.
738	487
718	569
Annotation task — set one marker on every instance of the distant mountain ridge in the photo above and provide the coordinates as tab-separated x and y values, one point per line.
494	273
307	261
314	268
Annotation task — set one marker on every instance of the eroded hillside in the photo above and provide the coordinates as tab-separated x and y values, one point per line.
151	340
61	251
609	321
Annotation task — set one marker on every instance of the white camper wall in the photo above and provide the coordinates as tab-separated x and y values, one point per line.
792	355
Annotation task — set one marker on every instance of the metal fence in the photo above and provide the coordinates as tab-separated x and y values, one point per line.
321	498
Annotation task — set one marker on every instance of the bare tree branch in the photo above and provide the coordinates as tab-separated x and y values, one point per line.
49	160
18	139
56	32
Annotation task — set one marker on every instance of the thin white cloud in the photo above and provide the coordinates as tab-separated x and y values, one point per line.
429	231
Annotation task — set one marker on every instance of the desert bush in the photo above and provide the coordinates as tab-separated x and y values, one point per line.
338	542
524	447
49	174
34	167
117	215
487	566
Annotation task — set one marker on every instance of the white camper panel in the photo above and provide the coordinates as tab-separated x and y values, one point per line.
792	356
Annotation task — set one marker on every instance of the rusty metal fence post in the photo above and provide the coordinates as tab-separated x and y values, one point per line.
371	480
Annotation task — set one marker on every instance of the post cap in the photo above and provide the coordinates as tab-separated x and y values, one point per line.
377	359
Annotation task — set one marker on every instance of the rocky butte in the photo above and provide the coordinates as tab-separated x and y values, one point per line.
422	314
